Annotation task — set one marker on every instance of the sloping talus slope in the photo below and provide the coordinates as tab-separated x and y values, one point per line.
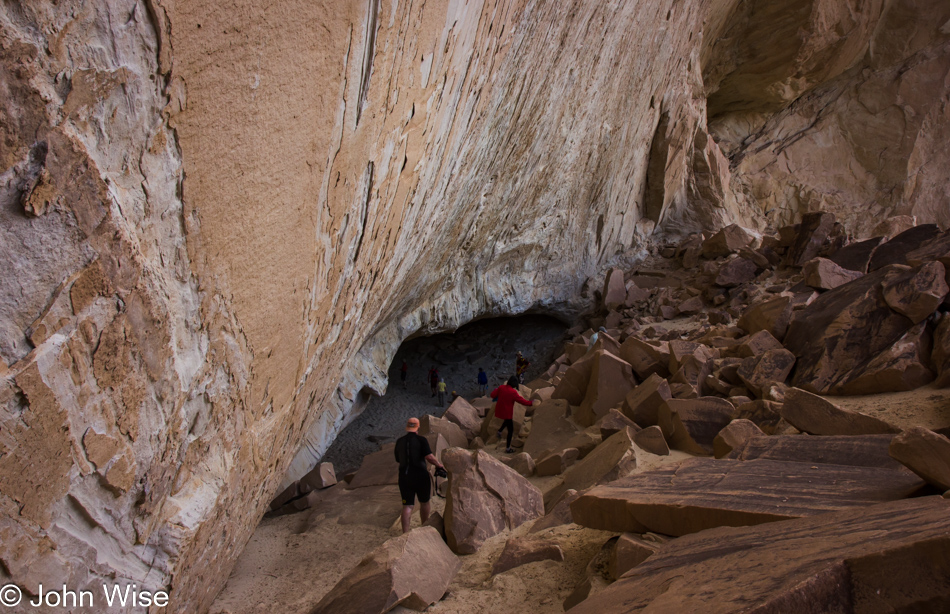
220	220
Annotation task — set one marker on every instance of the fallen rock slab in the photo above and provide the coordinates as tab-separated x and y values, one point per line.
925	453
855	450
643	402
521	551
466	416
611	378
412	570
815	415
629	551
321	476
452	432
916	293
826	563
896	250
824	274
703	493
551	429
556	463
814	229
377	469
759	373
484	498
560	513
614	422
903	366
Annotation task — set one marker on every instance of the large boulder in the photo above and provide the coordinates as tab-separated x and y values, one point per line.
615	291
646	358
815	415
925	453
824	274
452	432
897	249
916	292
703	493
377	469
764	413
903	366
643	402
771	315
412	570
759	373
611	378
551	429
614	422
814	229
321	476
484	498
629	551
889	557
727	241
612	459
573	385
691	425
841	331
855	257
465	415
651	440
940	358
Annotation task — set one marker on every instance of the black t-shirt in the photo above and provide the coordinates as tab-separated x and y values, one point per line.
411	452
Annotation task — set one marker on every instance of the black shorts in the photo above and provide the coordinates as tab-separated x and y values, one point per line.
415	484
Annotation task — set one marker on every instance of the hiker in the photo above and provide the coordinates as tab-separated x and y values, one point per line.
404	373
596	336
455	395
441	388
507	395
412	453
521	365
482	381
433	379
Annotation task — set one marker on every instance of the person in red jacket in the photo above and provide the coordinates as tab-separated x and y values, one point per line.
506	396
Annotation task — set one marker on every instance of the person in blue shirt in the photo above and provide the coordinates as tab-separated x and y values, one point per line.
482	381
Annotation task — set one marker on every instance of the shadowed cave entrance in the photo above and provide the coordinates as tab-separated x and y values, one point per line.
490	343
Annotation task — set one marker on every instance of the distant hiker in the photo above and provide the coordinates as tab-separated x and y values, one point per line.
482	381
434	379
455	395
404	373
507	395
412	452
441	388
596	336
521	365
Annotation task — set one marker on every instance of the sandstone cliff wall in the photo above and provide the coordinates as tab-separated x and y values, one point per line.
220	221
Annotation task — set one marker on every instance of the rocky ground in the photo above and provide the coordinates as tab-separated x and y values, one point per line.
756	408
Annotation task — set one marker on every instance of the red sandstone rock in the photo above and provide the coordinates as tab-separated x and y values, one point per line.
560	513
612	459
377	469
412	570
736	272
826	563
703	493
824	274
896	250
452	432
615	292
916	293
692	373
464	414
613	422
842	330
941	352
733	436
630	551
812	414
903	366
573	386
484	498
758	343
728	240
522	463
772	315
611	379
765	414
815	228
321	476
556	463
759	373
521	551
551	429
691	425
853	450
644	358
855	257
925	453
651	440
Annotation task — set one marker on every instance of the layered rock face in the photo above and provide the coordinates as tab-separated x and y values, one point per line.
219	223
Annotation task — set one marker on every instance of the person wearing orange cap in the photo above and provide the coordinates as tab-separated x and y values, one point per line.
412	452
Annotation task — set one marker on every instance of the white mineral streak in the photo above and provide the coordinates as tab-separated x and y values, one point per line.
218	224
